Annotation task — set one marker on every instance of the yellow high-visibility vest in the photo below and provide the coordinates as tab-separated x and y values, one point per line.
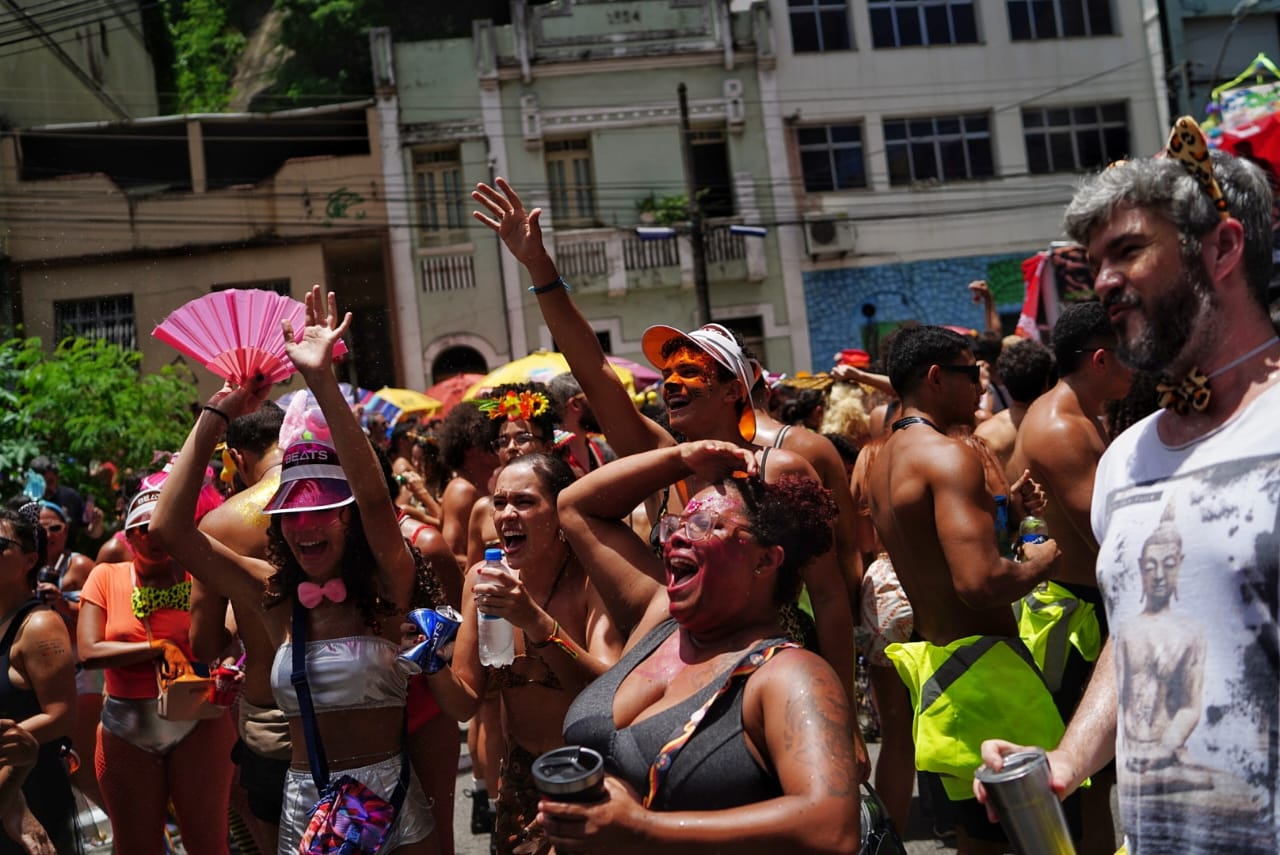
1049	619
975	688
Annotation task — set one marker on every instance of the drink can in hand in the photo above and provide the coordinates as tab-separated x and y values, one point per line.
226	685
439	626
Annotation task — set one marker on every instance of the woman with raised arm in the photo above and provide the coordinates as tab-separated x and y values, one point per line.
339	570
706	385
566	638
718	732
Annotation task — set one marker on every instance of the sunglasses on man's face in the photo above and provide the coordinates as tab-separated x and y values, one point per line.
6	542
971	372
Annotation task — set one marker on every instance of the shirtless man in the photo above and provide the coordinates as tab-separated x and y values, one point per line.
1026	369
262	751
931	505
1062	437
1060	442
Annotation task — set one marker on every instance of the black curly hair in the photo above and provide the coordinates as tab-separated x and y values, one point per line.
793	512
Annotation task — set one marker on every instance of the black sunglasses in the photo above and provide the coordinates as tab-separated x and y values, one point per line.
973	372
6	542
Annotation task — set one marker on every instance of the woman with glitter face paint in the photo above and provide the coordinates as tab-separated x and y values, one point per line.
718	732
706	383
341	569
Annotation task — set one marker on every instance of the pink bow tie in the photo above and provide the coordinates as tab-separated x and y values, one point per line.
310	594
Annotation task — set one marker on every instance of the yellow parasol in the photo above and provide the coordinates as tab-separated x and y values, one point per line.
538	367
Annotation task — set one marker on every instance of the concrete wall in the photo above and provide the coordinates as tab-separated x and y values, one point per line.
40	87
161	284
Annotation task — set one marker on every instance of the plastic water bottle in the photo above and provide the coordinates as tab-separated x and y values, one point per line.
1033	530
496	638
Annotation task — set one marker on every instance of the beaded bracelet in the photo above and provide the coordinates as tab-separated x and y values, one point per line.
217	412
550	286
558	640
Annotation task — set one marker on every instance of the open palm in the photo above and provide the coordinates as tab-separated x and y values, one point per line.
314	350
519	229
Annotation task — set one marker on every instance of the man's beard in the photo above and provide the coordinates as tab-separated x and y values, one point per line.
1169	319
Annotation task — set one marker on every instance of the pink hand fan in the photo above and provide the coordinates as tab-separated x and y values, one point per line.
236	333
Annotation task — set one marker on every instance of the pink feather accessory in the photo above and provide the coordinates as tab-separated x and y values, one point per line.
236	333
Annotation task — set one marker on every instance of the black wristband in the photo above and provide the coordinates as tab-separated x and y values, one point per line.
212	409
550	286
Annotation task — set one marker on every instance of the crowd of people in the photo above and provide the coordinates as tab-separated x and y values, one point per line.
695	588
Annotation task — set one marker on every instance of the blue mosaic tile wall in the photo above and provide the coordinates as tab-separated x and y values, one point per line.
932	292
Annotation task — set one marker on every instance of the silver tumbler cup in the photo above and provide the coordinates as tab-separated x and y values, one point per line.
1029	809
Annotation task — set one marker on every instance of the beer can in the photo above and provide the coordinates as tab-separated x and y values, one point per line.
439	626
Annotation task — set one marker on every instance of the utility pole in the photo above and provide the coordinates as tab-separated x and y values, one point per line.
695	214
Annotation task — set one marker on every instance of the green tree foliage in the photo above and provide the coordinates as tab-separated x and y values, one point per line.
205	51
86	401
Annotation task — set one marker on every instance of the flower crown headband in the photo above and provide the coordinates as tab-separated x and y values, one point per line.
516	405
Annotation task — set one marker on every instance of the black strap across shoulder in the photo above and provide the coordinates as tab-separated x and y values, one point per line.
908	421
315	747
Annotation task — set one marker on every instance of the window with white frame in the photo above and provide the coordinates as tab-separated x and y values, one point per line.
831	157
437	178
939	148
1051	19
819	25
109	318
904	23
1075	139
569	183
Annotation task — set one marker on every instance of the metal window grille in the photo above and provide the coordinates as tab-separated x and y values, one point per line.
724	245
109	318
640	254
447	273
583	258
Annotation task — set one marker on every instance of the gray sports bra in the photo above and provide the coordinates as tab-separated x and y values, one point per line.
356	672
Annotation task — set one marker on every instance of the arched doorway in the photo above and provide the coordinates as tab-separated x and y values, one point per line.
458	359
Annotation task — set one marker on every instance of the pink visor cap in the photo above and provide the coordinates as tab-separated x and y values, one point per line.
718	343
311	479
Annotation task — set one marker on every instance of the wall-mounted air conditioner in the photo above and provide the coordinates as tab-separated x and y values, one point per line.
829	236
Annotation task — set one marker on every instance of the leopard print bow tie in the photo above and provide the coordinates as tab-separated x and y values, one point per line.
1192	393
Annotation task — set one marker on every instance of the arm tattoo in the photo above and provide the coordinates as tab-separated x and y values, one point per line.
52	648
814	733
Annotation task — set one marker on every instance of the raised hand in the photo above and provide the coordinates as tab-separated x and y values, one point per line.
980	291
1028	495
314	351
518	228
713	460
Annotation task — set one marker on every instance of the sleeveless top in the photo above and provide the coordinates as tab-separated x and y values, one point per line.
356	672
714	771
47	788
